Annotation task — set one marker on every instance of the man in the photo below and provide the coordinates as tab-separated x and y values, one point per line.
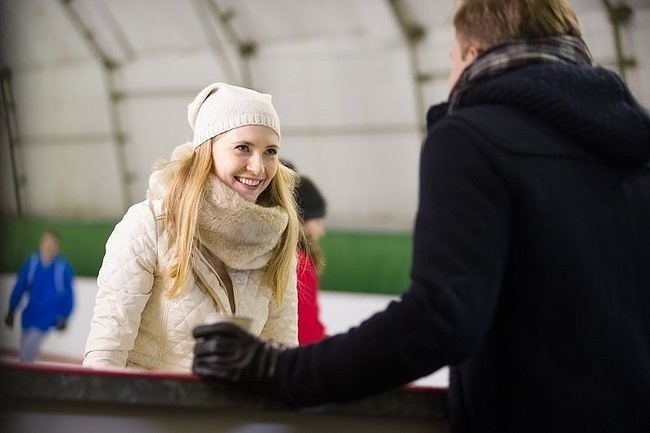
530	273
46	278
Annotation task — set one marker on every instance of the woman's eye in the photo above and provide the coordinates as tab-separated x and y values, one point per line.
272	151
242	147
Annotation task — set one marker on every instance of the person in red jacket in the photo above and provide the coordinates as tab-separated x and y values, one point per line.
311	210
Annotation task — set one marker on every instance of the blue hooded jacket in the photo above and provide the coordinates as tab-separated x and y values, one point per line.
49	291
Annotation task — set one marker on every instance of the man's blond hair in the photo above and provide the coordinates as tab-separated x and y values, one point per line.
486	23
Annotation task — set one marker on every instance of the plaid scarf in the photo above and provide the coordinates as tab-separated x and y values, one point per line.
517	54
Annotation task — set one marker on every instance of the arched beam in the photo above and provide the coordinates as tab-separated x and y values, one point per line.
619	16
108	68
245	49
413	34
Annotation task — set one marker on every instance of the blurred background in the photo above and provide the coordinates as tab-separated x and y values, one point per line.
95	91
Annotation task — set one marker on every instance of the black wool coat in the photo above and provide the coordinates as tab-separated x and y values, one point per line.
531	265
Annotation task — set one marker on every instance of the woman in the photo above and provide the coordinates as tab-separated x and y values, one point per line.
216	234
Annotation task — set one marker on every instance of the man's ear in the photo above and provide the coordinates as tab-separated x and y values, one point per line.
473	51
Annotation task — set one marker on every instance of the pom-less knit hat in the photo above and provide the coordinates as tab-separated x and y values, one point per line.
221	107
310	201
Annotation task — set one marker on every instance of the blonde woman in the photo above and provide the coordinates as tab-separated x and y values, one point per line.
216	234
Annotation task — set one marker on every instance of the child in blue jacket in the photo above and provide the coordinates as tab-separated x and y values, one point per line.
46	278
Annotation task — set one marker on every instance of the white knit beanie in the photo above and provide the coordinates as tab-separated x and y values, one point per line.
221	107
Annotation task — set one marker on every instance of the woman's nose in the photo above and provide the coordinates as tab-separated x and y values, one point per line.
256	164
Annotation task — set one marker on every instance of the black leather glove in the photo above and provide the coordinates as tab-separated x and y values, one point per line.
61	323
228	357
9	319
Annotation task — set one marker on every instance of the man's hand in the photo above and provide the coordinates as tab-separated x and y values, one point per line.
227	356
9	319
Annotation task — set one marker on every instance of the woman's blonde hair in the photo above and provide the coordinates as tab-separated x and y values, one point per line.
312	249
181	202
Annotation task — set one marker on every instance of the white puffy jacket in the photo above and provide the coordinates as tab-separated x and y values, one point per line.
136	325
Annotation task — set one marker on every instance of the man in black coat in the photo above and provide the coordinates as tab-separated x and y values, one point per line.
531	260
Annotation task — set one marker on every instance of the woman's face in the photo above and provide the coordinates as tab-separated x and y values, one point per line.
246	159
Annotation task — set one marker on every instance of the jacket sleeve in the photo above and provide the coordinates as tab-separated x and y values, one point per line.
310	328
282	323
124	285
459	255
66	299
20	286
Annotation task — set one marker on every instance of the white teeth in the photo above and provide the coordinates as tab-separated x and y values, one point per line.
249	182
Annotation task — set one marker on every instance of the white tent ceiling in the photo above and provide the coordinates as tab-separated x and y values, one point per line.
126	29
101	86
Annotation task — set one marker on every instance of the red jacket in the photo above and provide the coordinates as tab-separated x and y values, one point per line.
310	328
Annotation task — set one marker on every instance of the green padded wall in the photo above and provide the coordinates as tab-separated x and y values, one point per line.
366	262
82	242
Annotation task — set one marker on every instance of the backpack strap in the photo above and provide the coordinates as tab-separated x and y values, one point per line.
59	269
33	262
